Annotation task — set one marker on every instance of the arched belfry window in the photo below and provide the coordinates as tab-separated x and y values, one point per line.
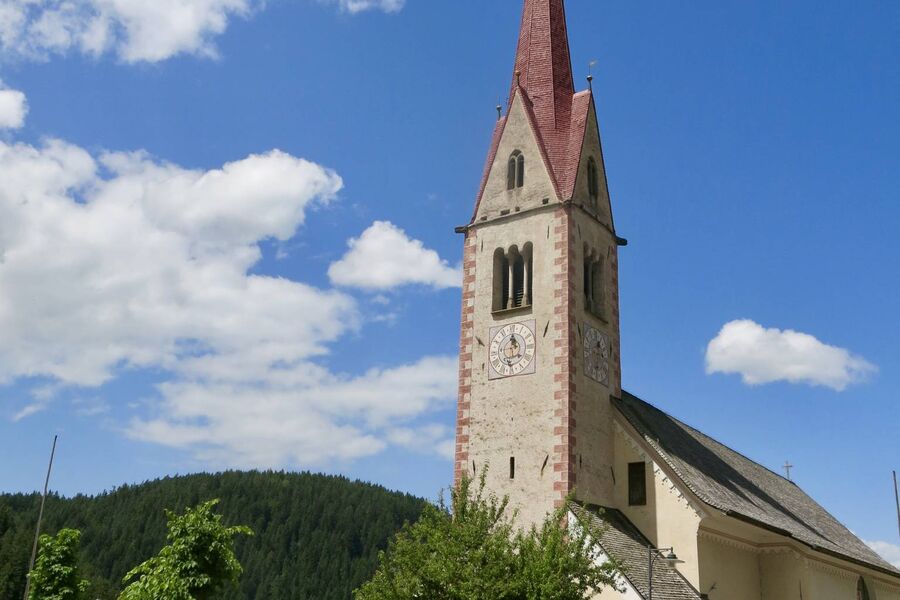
513	275
515	171
592	283
593	175
862	591
501	279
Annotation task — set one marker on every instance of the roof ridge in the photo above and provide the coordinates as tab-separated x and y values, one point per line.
741	492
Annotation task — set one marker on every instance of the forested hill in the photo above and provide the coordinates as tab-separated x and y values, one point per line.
317	537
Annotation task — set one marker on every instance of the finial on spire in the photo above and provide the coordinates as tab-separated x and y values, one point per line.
518	77
590	77
499	111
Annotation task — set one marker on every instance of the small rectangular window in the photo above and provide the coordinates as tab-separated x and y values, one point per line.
637	484
512	467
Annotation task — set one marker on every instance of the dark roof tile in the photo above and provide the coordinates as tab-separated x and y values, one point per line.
734	484
622	541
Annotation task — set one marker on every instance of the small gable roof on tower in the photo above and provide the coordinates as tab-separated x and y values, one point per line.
543	80
741	488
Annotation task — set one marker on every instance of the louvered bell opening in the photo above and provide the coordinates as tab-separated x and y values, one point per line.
519	281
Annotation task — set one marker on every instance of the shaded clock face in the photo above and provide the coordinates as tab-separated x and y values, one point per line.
596	354
512	350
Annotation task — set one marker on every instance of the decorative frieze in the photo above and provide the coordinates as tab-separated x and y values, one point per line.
831	569
728	541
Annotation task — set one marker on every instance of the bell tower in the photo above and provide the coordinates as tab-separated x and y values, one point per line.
539	345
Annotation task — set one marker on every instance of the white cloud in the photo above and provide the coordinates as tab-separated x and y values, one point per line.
119	262
136	30
29	410
257	417
356	6
122	260
762	356
889	552
13	108
384	257
430	439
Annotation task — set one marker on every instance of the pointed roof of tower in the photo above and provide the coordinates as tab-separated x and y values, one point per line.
542	77
543	66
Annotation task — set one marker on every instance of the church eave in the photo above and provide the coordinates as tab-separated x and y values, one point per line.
840	550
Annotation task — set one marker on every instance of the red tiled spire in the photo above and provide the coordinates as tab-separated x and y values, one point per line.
543	72
543	64
543	78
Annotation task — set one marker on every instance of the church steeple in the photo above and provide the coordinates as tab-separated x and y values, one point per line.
543	68
543	74
540	322
542	84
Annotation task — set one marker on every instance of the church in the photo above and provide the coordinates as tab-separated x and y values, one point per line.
541	403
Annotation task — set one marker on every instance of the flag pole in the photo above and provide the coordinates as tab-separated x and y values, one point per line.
37	531
897	498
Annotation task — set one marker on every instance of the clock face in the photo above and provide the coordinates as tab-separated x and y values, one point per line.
596	354
512	350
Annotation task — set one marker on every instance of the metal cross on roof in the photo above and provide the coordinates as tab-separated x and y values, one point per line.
787	469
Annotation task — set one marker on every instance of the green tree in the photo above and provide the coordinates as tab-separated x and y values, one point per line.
323	533
198	560
55	575
475	552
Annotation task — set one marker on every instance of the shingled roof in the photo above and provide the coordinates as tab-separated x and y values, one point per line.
622	541
734	484
543	80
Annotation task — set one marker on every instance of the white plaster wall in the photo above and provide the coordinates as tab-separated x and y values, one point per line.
825	585
668	519
592	149
783	577
514	417
734	571
592	231
883	589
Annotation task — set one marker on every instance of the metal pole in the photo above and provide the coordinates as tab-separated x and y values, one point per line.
897	498
650	576
37	531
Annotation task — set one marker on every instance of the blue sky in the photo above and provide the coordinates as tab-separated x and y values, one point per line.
179	291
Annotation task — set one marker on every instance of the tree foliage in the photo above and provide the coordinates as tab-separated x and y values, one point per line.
474	551
198	560
317	536
55	575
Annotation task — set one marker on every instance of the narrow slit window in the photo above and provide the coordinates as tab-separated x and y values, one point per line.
593	182
511	173
512	467
637	484
520	170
